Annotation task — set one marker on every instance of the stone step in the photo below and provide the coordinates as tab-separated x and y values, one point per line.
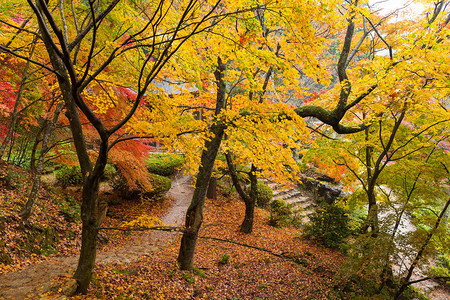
290	195
306	205
297	200
277	193
304	212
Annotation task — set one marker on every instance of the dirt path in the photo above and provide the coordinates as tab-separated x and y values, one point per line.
34	279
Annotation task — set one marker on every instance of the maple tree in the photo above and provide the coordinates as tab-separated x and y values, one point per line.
400	148
245	113
81	52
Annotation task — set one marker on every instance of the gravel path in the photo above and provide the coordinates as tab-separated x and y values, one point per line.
35	279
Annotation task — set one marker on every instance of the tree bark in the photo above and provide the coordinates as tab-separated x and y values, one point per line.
212	188
37	140
249	199
89	215
71	107
250	202
194	214
372	215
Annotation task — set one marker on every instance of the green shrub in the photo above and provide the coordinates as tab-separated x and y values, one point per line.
164	164
265	194
68	175
280	207
328	225
357	219
413	293
441	269
281	215
123	189
160	185
109	172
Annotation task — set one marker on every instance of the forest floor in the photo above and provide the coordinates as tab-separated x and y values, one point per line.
271	263
33	281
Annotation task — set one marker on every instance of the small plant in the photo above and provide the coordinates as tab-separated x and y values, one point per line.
281	215
442	269
413	293
328	225
199	273
188	277
225	259
280	207
164	164
357	219
68	175
265	194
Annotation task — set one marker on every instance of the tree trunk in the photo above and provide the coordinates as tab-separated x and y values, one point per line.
249	199
250	202
212	188
89	215
37	140
247	224
372	216
194	214
26	211
91	180
71	108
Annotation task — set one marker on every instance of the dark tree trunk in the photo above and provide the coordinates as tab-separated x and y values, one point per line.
212	188
249	199
194	214
69	101
372	216
89	215
250	202
91	180
37	140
